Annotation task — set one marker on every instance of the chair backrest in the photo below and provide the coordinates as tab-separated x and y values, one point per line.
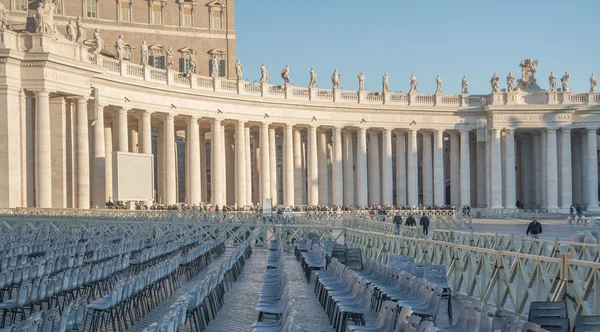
545	305
427	327
413	323
51	315
475	315
486	322
582	323
418	269
402	319
461	322
35	321
554	324
547	313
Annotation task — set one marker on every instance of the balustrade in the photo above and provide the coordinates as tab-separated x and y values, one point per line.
135	70
227	85
181	78
158	75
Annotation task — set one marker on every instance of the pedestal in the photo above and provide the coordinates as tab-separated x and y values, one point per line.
552	98
336	95
512	98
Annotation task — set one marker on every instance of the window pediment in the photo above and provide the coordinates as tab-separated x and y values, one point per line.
215	3
217	52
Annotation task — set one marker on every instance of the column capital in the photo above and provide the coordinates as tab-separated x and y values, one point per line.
565	129
551	130
191	118
147	113
509	131
169	116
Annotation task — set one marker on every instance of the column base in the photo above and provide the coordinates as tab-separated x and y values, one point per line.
553	209
593	209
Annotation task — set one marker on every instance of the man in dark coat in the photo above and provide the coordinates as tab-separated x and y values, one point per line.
410	221
425	223
534	228
398	222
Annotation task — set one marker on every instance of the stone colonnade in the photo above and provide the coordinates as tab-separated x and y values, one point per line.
237	162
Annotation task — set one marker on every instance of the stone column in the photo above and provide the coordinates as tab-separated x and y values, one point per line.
337	176
216	167
374	178
496	170
566	175
248	166
122	133
203	175
400	169
482	183
169	160
387	179
146	132
465	169
193	139
82	156
544	142
108	149
455	177
288	165
99	196
362	187
348	186
576	171
537	167
585	166
273	166
427	169
413	167
265	173
313	167
43	159
438	168
509	171
323	174
592	152
230	168
298	193
240	164
551	170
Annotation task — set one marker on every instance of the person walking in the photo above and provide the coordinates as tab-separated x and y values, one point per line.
534	228
410	221
425	223
398	222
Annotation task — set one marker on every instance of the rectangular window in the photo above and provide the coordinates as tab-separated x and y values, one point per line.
20	4
156	14
187	17
59	7
221	67
216	19
184	65
92	8
157	61
125	11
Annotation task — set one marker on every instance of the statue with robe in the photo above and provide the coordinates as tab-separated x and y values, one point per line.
98	42
264	75
168	58
494	81
552	82
313	78
335	79
80	31
144	53
361	81
239	70
593	83
120	46
464	85
71	31
438	83
510	82
414	82
285	74
565	82
385	81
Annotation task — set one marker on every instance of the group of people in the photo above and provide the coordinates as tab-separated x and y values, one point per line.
411	222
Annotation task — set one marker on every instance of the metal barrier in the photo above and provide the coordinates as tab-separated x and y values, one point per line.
508	280
495	241
510	213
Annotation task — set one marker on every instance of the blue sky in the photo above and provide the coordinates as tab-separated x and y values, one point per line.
450	38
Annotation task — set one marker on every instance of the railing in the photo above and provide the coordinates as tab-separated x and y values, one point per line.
349	96
158	75
493	241
206	83
324	95
374	97
181	78
92	58
228	85
300	93
477	100
252	88
580	98
276	91
135	70
509	213
112	65
450	100
399	99
508	280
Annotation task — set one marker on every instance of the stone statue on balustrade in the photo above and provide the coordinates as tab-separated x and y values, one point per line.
193	64
3	17
361	81
528	81
593	83
239	70
494	82
438	83
335	79
565	82
510	82
71	31
464	85
120	46
386	83
285	74
144	53
98	43
313	79
215	67
414	82
80	31
44	18
264	75
552	82
168	58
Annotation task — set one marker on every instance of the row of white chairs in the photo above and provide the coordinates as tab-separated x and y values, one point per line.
52	320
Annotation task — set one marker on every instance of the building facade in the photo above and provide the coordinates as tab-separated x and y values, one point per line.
64	108
204	27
